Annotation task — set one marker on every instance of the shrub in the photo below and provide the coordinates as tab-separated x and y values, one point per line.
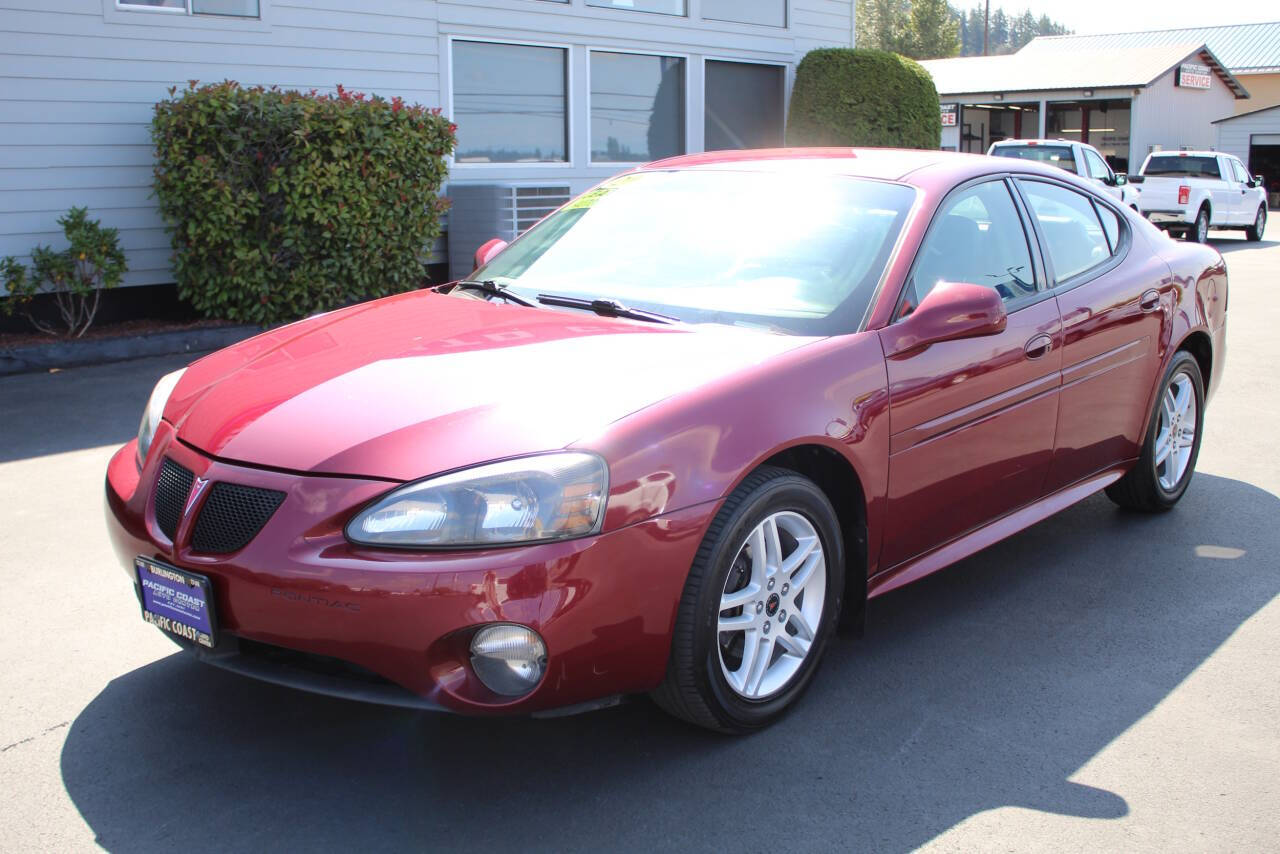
75	276
849	96
282	203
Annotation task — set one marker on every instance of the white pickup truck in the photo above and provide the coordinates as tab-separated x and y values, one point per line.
1190	192
1078	158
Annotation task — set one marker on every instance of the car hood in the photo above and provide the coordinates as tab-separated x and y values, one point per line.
422	383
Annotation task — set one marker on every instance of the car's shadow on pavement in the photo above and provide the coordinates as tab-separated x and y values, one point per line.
987	685
1226	244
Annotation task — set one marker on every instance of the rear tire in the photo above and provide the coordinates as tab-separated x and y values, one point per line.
1254	232
775	545
1199	231
1168	460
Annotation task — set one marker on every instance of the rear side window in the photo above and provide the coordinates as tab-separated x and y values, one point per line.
1054	155
1110	224
1073	234
1178	164
977	237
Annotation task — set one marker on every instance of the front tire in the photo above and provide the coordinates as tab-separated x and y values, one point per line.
1172	445
760	604
1254	232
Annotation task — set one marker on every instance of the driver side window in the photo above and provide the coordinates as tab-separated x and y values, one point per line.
1097	169
977	237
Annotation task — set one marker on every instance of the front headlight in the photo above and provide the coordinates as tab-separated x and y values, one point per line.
526	500
155	409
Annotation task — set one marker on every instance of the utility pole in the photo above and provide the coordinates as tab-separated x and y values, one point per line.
986	27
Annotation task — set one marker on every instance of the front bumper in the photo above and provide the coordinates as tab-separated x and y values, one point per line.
604	605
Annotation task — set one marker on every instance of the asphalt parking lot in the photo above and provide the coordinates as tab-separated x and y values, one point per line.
1101	681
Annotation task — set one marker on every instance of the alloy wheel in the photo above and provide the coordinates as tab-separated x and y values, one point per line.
1176	433
772	605
1202	228
1260	224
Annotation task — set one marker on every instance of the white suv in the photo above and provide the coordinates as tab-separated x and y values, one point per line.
1078	158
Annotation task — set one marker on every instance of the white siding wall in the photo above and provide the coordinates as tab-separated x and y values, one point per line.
1173	117
1234	136
78	79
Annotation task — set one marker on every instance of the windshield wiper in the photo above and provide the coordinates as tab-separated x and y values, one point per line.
491	288
607	308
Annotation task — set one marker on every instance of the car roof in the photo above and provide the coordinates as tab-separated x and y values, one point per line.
1187	154
1041	142
911	166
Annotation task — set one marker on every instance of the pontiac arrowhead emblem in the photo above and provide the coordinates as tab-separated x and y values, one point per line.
197	488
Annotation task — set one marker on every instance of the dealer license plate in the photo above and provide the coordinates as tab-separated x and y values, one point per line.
177	601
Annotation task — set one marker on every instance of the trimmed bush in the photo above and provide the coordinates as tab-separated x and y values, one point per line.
75	277
282	203
850	96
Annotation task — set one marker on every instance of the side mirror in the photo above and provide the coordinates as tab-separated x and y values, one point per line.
1119	180
949	312
1257	181
1137	179
488	252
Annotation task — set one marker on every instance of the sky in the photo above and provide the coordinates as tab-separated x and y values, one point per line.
1120	16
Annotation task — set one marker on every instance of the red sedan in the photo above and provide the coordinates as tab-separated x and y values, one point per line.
671	436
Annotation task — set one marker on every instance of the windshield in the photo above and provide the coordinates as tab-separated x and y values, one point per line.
1054	155
1173	164
796	253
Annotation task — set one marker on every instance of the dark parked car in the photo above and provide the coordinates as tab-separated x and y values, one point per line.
668	438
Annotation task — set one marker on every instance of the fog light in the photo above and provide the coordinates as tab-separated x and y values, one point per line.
508	659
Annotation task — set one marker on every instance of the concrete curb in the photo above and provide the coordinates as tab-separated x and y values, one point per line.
70	354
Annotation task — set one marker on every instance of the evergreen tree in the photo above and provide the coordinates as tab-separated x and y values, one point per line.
999	32
882	24
932	31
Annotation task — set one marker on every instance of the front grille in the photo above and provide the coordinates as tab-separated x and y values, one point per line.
172	488
232	515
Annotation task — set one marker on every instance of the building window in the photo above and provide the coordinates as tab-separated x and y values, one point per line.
769	13
510	103
225	8
743	105
637	107
663	7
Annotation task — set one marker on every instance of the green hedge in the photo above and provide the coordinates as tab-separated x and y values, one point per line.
282	203
849	96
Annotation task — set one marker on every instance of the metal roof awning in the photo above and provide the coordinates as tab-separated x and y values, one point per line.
1034	71
1243	48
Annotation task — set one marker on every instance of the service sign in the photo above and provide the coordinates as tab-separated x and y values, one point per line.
1193	75
950	112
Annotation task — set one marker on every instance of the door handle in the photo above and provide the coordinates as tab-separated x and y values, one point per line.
1039	346
1150	300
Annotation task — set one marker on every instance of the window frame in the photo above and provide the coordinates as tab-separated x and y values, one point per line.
687	14
186	11
569	114
1123	245
114	12
1034	250
787	80
787	13
686	92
